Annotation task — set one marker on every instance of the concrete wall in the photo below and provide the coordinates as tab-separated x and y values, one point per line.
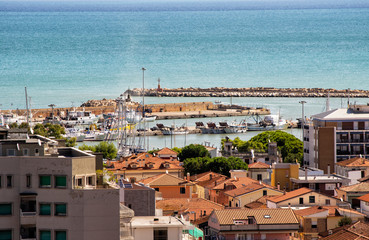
145	206
326	148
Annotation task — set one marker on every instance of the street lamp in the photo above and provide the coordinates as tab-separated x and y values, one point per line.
52	111
302	122
143	105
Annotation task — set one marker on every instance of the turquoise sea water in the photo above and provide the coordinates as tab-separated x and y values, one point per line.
67	57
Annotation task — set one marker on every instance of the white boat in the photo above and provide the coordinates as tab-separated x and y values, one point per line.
149	119
80	117
73	132
270	122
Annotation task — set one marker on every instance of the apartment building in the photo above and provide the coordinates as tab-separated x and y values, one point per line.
336	135
54	195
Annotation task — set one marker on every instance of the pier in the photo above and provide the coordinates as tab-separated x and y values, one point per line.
250	92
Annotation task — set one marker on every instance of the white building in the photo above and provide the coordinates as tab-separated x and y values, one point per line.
54	196
160	227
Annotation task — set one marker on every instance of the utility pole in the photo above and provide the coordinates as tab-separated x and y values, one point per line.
25	89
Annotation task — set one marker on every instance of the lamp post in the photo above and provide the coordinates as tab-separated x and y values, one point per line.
143	105
52	111
302	122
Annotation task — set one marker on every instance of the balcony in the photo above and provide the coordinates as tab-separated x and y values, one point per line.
28	210
28	232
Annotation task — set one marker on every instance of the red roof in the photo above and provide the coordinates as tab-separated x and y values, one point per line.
364	198
259	165
167	151
289	195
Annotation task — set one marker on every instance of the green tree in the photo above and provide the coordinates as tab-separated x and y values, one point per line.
220	165
345	221
193	151
70	142
107	149
177	150
49	130
13	125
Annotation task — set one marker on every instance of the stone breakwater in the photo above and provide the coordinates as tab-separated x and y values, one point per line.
250	92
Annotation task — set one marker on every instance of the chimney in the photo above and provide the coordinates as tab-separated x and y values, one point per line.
279	186
188	176
329	170
306	174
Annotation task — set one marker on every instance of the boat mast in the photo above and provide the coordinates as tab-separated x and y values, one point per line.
143	107
25	89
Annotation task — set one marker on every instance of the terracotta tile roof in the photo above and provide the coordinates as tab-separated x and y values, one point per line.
144	161
164	179
289	195
256	205
357	231
167	151
354	162
262	216
364	198
311	210
200	206
205	176
364	179
359	187
244	190
258	165
236	182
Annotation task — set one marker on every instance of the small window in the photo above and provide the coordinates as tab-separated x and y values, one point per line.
45	235
45	209
314	226
60	209
156	189
311	199
11	152
28	181
90	180
25	152
259	177
362	174
79	182
60	181
45	181
183	190
301	201
6	234
9	181
5	209
265	192
37	151
60	235
160	234
327	202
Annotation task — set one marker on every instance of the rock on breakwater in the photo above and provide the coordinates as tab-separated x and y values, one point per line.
250	92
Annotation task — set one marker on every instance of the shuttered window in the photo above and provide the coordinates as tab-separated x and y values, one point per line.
45	209
45	181
45	235
60	181
6	234
5	209
60	235
60	209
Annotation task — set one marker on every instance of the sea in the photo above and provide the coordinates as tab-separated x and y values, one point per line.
66	53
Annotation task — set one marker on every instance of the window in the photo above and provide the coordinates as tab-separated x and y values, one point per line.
183	190
37	152
45	181
28	181
60	181
60	235
25	152
6	234
156	189
60	209
90	180
45	235
160	234
45	209
9	181
314	226
79	182
5	209
362	174
311	199
265	192
327	202
301	200
259	177
11	152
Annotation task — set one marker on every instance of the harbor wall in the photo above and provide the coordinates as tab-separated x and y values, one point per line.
250	92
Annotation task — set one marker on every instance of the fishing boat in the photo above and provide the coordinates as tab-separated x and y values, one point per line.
270	122
79	117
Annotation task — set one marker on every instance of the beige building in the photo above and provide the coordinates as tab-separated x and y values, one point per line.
54	196
337	135
303	197
353	169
